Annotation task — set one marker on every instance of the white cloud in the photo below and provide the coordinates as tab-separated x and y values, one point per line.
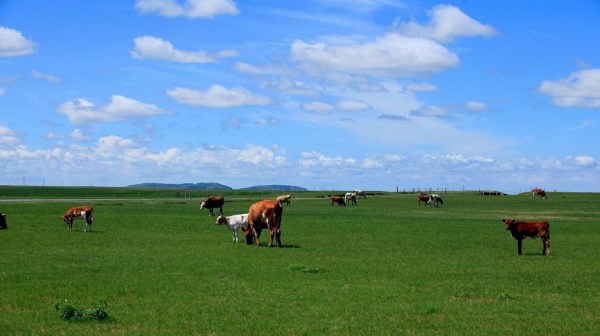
585	124
393	158
316	159
317	107
584	161
582	64
49	78
391	55
12	43
81	111
190	8
288	86
421	87
149	47
432	111
2	91
447	24
52	136
368	163
78	135
8	136
352	105
268	69
217	96
580	89
476	106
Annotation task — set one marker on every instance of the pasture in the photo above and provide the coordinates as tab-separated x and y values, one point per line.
386	266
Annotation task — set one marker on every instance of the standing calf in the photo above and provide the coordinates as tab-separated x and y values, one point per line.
233	223
337	199
531	230
284	199
82	212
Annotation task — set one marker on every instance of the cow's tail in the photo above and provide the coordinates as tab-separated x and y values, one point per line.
89	216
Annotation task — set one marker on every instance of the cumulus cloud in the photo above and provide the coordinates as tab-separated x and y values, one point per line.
317	107
149	47
583	161
78	135
8	136
190	8
290	87
475	106
316	159
447	24
432	111
352	106
268	69
49	78
81	111
391	55
580	89
582	64
13	43
421	87
217	96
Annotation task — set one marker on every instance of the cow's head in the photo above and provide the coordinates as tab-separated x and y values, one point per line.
64	219
439	199
202	205
543	193
3	221
508	222
221	220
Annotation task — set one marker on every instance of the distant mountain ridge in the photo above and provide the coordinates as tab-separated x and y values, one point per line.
216	186
201	185
276	187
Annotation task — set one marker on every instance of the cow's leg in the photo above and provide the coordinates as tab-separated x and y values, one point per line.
249	236
257	236
221	211
546	242
519	244
272	234
210	212
235	236
278	237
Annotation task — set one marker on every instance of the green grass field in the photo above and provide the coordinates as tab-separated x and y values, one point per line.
385	266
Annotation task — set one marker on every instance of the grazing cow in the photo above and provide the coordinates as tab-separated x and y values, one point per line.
360	193
264	215
213	202
81	212
539	192
284	199
3	221
435	198
337	199
423	198
233	223
351	197
531	230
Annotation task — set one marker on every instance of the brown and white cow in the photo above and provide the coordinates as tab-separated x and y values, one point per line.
531	230
264	215
539	192
213	202
337	199
350	197
435	198
423	198
3	221
284	199
81	212
233	223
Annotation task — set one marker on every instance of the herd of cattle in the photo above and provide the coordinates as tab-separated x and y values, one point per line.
267	215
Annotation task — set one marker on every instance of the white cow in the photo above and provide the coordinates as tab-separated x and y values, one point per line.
435	198
351	197
360	193
233	223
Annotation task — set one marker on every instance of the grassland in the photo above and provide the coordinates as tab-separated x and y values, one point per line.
383	267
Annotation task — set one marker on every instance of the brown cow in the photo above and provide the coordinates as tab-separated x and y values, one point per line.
213	202
81	212
539	192
284	199
264	215
3	221
531	230
423	198
337	199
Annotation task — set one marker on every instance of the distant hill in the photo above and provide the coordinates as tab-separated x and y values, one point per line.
201	185
276	187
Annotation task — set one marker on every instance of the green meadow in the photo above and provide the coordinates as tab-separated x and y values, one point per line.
383	267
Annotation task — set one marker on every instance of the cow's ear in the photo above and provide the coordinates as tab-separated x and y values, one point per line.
504	220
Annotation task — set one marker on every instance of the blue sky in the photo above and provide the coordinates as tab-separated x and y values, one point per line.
328	94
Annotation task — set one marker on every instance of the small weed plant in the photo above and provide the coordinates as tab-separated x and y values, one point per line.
68	312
